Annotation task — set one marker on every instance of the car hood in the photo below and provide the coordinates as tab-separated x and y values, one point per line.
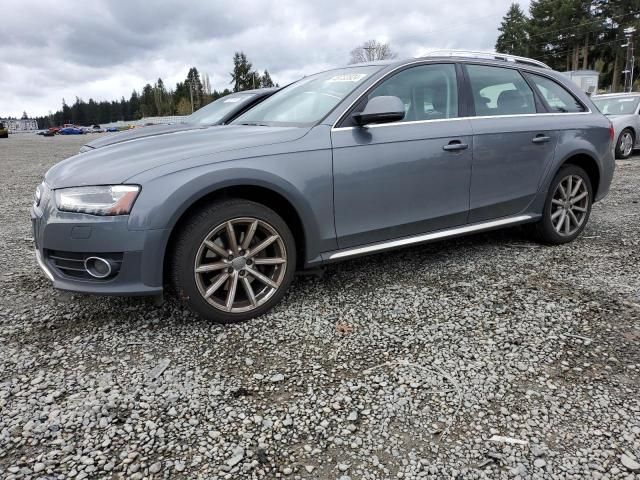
150	131
115	163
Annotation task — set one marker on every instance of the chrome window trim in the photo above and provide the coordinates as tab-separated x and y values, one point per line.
483	117
440	234
424	61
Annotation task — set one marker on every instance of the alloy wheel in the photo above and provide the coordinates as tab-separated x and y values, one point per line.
626	144
240	264
569	205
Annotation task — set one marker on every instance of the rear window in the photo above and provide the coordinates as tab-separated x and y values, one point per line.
556	96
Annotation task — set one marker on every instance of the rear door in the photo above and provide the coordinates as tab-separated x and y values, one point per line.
512	145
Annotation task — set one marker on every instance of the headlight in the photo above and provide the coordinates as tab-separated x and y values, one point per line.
37	198
98	200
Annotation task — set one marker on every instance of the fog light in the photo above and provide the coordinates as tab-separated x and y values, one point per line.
98	267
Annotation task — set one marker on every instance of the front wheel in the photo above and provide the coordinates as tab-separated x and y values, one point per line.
624	146
233	261
567	207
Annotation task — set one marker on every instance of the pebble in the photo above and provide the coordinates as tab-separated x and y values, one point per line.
629	463
450	344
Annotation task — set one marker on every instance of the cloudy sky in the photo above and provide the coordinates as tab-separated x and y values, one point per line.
51	50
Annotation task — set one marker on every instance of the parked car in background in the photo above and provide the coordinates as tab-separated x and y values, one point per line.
71	131
623	109
340	164
4	131
219	112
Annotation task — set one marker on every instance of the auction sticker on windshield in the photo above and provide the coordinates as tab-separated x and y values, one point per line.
350	77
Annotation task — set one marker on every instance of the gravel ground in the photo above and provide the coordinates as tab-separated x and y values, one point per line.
484	357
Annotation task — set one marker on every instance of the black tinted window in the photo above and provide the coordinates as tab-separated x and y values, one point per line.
557	97
429	92
500	91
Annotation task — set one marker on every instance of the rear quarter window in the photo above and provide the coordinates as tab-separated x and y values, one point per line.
559	99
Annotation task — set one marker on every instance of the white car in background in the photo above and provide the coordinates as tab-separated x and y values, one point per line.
623	109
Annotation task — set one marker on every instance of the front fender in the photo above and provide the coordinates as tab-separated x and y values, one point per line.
303	179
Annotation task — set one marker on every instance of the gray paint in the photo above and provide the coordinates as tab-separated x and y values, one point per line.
620	122
396	180
351	187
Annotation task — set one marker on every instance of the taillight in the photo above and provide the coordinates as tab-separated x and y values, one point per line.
612	133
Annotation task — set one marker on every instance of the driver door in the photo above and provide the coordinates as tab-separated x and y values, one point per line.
408	177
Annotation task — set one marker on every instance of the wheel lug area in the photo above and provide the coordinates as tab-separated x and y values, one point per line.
230	270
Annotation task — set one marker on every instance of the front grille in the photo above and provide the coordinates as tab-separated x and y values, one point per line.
71	264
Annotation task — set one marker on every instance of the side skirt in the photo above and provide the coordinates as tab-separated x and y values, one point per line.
427	237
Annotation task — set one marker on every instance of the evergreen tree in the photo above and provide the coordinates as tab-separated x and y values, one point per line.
242	78
148	102
265	81
134	106
559	29
513	38
66	113
159	97
194	84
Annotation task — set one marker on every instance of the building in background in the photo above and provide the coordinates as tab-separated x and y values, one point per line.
587	80
16	125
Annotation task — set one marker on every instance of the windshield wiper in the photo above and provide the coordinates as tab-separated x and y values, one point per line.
254	124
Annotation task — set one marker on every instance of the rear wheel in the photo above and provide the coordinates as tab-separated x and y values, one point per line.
233	261
626	141
567	207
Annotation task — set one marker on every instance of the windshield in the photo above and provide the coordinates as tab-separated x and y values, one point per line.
216	111
308	100
617	105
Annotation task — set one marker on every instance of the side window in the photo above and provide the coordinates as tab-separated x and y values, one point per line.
557	97
500	91
429	92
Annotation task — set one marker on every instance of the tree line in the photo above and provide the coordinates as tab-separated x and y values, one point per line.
189	95
573	35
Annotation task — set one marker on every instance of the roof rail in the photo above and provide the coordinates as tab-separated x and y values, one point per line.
486	55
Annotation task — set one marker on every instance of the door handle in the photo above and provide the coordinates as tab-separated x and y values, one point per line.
455	145
540	138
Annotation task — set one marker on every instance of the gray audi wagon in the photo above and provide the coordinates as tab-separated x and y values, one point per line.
342	163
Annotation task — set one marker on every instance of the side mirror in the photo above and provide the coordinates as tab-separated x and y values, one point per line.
380	110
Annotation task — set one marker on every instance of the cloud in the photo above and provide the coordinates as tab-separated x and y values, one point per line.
101	49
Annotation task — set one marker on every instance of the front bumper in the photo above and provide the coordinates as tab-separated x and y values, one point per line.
59	234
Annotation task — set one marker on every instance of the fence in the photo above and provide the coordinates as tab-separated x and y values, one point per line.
145	121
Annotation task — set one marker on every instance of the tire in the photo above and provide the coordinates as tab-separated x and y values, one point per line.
556	207
623	150
204	279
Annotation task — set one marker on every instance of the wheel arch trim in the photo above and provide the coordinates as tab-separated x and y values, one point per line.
578	157
199	188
